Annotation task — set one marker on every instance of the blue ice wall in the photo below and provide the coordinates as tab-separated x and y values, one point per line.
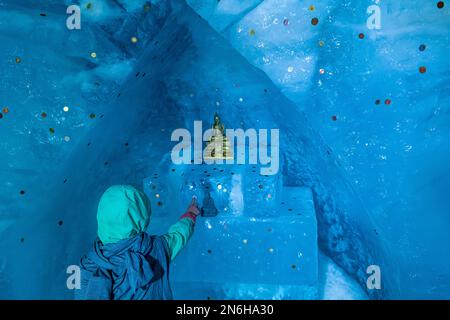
362	180
378	99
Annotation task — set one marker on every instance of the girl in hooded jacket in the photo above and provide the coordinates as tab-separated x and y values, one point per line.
126	263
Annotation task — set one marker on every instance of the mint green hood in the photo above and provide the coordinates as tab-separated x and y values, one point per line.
123	212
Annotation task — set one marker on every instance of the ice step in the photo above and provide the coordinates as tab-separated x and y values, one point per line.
272	257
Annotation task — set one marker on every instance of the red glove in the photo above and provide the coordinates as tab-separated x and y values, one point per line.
192	211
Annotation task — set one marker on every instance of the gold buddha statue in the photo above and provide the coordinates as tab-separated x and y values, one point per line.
218	146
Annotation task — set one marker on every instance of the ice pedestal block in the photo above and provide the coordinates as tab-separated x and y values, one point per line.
245	257
235	189
261	245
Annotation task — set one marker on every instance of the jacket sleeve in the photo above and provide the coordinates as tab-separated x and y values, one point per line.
179	234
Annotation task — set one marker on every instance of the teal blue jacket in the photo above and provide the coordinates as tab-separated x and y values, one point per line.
126	263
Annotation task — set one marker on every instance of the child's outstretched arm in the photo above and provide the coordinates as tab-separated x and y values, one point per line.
180	232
